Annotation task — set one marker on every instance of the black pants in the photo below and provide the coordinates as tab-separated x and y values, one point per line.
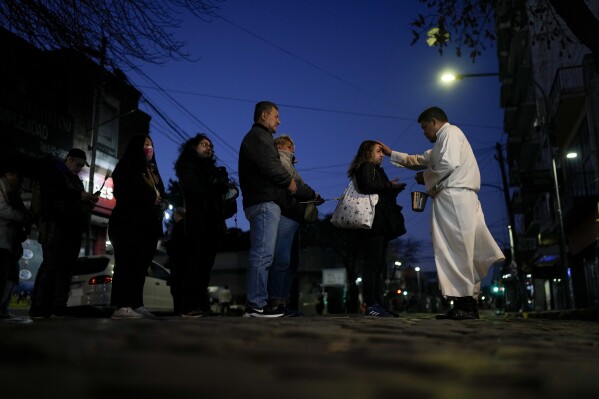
5	265
195	272
61	248
134	249
375	249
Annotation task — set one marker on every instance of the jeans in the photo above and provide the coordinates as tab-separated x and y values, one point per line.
280	274
264	224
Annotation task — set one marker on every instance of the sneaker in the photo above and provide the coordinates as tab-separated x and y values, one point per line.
16	320
288	312
193	314
262	312
126	313
142	311
377	311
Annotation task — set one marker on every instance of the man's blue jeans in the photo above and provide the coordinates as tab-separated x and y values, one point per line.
264	224
280	275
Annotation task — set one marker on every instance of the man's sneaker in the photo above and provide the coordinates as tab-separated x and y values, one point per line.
142	311
194	314
262	312
289	312
126	313
377	311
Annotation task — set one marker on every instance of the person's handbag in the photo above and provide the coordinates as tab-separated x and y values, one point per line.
310	213
354	210
396	225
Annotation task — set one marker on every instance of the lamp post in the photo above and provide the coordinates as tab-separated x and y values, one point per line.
417	268
558	204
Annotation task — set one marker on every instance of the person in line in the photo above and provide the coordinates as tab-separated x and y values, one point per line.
177	256
135	225
65	209
15	225
463	246
280	275
370	178
264	185
204	186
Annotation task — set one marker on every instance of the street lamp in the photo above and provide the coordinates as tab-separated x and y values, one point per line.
451	77
558	203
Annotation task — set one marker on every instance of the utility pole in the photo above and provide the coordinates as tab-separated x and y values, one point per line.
98	96
520	287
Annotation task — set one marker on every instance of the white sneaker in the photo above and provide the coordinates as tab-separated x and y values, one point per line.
142	311
126	313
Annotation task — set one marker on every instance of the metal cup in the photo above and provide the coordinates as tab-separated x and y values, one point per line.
418	201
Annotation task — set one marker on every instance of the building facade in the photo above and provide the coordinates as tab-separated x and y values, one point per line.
52	101
550	95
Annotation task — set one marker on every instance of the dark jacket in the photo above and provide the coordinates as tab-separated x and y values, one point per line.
135	192
372	179
61	198
262	178
293	208
203	186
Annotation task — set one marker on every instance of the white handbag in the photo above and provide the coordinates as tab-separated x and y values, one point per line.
354	210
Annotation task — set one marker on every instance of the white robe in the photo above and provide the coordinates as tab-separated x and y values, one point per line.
463	246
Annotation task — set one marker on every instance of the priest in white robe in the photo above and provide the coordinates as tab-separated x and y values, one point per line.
463	246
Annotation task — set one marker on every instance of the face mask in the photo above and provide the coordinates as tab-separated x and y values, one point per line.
149	151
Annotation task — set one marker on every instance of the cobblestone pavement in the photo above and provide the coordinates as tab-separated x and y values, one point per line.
413	356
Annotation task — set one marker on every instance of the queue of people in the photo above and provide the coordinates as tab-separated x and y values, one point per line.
275	198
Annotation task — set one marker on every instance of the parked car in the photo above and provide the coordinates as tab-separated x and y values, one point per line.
91	284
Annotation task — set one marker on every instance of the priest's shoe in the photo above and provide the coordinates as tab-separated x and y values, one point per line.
457	314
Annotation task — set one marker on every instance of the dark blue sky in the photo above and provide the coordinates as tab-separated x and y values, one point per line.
341	72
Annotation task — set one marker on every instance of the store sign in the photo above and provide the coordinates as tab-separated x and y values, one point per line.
34	130
107	201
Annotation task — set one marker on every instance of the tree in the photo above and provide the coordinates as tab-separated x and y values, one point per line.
133	29
470	24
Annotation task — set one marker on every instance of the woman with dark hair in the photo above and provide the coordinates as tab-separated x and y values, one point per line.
135	225
204	186
370	178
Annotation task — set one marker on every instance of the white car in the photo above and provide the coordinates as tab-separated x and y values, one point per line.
91	284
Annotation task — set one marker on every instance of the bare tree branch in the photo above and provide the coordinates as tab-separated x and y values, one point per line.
134	29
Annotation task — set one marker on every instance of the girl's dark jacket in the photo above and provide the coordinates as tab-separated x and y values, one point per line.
203	185
372	179
135	190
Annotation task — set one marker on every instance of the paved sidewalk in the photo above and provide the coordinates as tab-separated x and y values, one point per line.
353	356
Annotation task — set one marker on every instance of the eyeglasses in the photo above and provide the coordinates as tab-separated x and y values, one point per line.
206	144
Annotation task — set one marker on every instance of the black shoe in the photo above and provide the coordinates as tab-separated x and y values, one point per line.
262	312
288	312
456	314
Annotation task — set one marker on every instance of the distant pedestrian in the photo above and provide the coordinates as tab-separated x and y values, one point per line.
264	186
204	186
224	300
464	248
66	207
135	225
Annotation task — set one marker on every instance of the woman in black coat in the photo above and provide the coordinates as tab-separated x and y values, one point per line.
135	225
204	186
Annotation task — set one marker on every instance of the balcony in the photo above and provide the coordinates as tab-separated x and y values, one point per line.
567	101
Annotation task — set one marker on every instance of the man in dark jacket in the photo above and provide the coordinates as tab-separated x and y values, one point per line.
264	185
65	209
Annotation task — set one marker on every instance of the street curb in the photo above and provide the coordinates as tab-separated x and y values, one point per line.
588	314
